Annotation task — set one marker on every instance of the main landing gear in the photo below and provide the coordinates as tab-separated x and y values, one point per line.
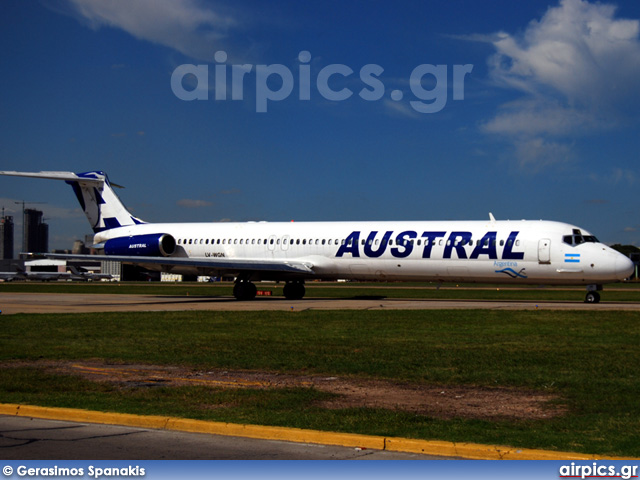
592	294
294	290
246	290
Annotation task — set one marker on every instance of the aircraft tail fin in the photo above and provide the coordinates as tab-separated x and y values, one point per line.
101	205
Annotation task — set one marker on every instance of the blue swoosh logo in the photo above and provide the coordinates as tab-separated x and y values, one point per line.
512	273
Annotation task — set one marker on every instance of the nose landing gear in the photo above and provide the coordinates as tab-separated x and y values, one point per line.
592	294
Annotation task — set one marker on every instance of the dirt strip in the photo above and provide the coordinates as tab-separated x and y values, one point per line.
437	401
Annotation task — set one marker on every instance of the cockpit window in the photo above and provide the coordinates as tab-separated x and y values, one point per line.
577	239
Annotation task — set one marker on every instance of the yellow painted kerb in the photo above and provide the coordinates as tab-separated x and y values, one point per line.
428	447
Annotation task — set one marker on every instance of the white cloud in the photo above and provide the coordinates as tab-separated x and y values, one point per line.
188	26
537	153
189	203
616	176
401	109
538	116
578	68
578	50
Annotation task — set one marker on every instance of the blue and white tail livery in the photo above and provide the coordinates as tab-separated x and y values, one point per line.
101	205
520	252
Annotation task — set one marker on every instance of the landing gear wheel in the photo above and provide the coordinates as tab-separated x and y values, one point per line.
592	297
294	290
244	291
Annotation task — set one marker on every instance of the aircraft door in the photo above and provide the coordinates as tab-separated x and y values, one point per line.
271	243
544	251
285	242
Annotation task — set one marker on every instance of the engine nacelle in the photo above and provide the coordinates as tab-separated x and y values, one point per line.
151	245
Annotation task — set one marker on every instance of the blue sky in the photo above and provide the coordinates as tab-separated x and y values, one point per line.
548	127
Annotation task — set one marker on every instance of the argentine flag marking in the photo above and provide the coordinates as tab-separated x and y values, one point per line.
571	258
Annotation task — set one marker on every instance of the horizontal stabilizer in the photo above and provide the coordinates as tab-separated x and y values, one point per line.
66	176
94	192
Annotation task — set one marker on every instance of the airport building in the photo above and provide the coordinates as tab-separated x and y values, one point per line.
36	240
35	232
6	237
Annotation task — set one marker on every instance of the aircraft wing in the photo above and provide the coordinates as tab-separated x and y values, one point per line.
217	264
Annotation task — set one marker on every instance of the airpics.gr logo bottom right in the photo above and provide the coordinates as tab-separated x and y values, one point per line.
598	471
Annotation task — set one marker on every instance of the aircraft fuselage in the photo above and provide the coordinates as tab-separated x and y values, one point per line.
528	252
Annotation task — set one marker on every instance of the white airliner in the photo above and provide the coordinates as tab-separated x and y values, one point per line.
22	274
73	275
516	252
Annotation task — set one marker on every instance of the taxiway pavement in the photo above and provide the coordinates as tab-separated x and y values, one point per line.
25	438
11	303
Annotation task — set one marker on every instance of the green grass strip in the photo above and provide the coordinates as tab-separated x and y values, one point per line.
589	359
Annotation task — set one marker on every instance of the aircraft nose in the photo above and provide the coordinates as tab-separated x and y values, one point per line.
624	267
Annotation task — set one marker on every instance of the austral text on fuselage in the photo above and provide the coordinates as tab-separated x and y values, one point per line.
405	242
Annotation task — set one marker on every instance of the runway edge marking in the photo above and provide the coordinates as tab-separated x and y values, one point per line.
426	447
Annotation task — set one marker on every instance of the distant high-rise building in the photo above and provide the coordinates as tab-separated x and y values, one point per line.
79	248
6	238
36	232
